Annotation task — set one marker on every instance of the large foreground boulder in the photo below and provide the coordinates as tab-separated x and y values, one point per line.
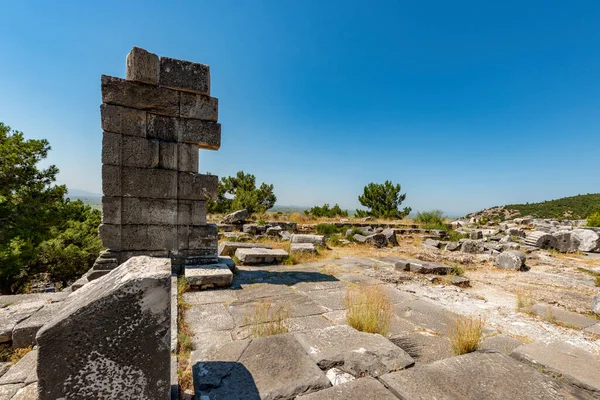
588	239
111	339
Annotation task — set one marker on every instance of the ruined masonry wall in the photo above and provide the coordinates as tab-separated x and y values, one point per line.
154	200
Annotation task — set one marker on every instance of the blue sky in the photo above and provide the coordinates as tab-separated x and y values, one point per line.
466	104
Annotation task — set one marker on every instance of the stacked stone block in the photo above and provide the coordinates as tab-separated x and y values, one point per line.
154	199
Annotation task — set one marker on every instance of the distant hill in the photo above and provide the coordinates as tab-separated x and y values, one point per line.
574	207
81	193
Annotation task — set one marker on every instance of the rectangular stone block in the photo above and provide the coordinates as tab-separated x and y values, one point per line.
191	212
110	235
149	183
168	155
184	75
123	256
158	100
197	186
187	159
148	237
207	135
111	180
142	66
203	237
139	152
143	211
162	128
123	120
111	148
198	106
111	210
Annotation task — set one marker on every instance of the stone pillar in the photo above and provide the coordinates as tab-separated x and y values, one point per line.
154	199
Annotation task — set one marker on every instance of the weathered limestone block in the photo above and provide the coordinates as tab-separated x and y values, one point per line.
566	242
158	100
596	304
148	237
23	371
203	236
111	180
193	186
152	183
390	237
123	120
511	260
184	75
11	315
167	155
139	152
260	256
198	106
112	338
229	248
209	276
205	134
187	157
304	248
472	246
589	240
191	212
317	240
362	388
541	240
111	210
142	66
236	217
111	148
149	211
110	235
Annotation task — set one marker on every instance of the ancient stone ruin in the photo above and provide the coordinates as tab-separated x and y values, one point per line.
154	199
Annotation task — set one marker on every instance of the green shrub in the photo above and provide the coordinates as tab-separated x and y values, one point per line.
325	211
433	219
328	229
454	236
594	220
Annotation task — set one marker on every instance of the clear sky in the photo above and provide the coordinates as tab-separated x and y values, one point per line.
466	104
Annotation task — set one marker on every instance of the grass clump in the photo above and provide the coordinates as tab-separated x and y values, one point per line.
368	309
457	270
267	319
466	334
525	302
433	219
454	236
328	229
184	339
12	355
597	281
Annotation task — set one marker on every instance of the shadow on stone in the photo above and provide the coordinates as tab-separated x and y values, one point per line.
224	380
279	278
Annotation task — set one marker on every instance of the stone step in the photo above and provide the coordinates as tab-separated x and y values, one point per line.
475	376
209	276
358	389
572	364
256	256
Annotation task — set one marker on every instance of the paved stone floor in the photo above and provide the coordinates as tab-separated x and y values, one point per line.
320	357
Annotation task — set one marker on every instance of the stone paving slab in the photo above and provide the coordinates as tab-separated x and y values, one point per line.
357	279
563	316
260	290
424	347
204	343
306	287
332	299
426	314
274	367
210	296
23	371
474	376
296	305
208	318
358	389
501	343
300	324
12	315
24	333
575	366
354	352
210	276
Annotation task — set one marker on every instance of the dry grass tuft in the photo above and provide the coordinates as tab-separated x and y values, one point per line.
267	319
466	334
525	301
368	309
9	354
184	340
